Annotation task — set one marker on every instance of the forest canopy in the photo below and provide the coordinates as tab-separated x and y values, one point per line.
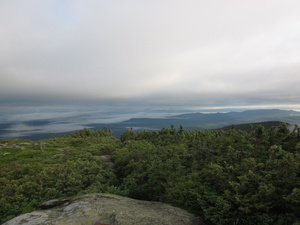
227	176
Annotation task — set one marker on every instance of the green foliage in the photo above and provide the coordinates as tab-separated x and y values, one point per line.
227	176
33	172
230	177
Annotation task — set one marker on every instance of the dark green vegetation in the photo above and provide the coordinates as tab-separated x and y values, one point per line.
228	176
252	126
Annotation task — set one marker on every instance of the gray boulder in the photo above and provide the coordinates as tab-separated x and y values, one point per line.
105	209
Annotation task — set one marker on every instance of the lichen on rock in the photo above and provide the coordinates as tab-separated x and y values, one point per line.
95	209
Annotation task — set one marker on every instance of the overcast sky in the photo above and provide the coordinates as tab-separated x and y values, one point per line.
194	53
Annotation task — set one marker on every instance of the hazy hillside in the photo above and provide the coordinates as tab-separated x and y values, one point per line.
252	126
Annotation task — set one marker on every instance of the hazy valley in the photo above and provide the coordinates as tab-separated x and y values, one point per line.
37	125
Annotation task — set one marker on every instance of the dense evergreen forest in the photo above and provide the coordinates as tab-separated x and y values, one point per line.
228	176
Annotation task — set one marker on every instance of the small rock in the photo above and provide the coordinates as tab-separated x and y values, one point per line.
56	155
106	158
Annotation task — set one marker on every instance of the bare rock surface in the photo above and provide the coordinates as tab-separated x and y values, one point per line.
100	209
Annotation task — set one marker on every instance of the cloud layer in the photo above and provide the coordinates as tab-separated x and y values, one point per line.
163	52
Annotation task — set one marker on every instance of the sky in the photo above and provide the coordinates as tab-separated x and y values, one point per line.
191	53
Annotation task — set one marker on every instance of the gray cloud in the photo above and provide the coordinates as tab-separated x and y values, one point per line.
176	52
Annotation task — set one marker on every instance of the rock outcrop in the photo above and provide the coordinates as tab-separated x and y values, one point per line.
105	209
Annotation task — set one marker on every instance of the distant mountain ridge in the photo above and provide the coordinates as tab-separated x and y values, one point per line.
190	121
201	121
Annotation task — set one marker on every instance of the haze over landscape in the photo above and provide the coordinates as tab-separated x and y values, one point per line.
112	105
136	58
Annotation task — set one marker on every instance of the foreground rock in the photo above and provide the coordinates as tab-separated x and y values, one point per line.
105	209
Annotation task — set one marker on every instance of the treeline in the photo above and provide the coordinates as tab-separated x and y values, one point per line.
228	177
